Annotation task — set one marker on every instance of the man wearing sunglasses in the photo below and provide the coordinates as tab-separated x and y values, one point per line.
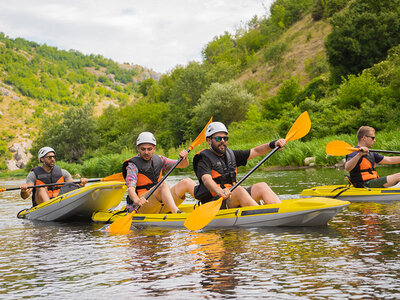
361	164
216	170
49	172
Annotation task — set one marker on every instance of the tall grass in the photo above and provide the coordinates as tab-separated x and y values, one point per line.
293	154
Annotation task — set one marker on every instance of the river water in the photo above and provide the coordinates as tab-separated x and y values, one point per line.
355	257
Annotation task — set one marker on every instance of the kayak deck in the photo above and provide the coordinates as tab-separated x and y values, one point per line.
352	194
79	203
293	212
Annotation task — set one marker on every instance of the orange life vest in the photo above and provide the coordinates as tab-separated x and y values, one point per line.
43	177
364	170
149	172
367	169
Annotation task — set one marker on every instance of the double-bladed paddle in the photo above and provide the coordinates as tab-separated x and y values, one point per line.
123	225
114	177
205	213
340	148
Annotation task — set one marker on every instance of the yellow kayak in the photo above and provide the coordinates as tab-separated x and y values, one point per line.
353	194
80	203
293	212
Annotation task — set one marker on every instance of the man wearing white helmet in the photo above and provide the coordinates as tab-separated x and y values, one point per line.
49	172
216	169
143	171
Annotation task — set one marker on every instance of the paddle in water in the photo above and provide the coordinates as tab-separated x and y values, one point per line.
114	177
340	148
205	213
123	225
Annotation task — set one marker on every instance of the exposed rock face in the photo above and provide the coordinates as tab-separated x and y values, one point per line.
20	155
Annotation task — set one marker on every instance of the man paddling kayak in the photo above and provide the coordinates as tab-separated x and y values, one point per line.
216	170
143	171
49	172
361	164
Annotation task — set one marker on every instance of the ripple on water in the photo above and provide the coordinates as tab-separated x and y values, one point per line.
355	256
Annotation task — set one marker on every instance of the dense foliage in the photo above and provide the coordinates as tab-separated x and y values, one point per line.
362	35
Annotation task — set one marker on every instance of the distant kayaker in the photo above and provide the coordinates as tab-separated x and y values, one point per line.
143	171
361	164
216	170
49	172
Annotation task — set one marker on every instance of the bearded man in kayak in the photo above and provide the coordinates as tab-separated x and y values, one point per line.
361	164
216	170
143	171
49	172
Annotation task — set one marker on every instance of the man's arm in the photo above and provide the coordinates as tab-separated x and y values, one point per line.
213	187
131	181
265	148
352	162
168	163
30	181
25	190
390	160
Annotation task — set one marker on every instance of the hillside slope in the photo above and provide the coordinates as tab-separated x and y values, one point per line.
38	80
301	46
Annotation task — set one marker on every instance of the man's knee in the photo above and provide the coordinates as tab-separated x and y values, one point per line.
188	183
185	186
164	185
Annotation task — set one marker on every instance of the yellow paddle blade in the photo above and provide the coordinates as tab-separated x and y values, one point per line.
114	177
203	215
122	225
339	148
299	128
201	137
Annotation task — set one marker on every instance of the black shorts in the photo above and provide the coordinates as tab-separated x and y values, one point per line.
202	194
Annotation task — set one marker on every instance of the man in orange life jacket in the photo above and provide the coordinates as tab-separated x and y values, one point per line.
49	172
361	164
143	171
216	169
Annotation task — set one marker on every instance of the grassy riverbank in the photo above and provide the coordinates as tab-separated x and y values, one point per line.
291	157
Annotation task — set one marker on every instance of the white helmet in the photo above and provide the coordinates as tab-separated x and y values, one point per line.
146	138
42	152
215	127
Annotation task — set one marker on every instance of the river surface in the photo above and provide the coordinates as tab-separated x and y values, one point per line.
355	257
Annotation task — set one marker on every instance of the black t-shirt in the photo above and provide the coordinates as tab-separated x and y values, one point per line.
204	164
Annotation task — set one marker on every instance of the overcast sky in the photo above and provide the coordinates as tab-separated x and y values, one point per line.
157	34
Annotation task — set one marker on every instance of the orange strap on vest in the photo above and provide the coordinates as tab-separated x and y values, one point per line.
367	171
56	189
144	184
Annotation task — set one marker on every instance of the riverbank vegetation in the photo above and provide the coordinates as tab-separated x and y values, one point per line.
314	56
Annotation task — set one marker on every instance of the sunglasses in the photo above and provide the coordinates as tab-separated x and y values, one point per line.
50	156
372	137
220	138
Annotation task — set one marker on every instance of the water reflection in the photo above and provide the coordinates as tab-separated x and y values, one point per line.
355	256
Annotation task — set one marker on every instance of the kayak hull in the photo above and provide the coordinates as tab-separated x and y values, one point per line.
293	212
80	203
352	194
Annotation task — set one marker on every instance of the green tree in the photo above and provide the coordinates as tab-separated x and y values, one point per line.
362	35
227	102
70	135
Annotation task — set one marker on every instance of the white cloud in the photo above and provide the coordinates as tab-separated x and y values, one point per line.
157	34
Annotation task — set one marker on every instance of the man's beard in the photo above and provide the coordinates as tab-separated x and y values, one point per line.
216	149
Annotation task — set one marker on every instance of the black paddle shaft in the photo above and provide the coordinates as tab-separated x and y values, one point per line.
49	184
254	168
161	181
384	151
